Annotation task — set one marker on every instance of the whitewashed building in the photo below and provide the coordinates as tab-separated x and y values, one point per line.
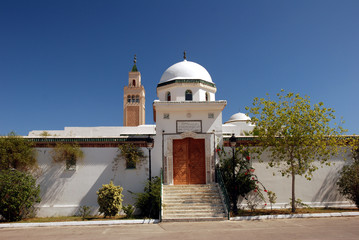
188	128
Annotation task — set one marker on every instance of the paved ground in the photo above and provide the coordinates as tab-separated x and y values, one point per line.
314	228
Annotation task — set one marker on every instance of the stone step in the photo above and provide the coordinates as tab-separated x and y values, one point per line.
193	219
195	215
192	203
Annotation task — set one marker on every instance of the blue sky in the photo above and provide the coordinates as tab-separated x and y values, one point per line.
65	63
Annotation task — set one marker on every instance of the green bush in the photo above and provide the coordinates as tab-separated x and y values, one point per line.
149	202
110	199
84	212
18	194
129	209
348	182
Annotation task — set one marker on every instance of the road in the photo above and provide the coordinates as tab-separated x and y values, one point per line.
314	228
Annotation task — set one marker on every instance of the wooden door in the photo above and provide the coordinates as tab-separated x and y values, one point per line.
189	161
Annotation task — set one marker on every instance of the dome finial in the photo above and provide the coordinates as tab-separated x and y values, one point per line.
134	68
184	55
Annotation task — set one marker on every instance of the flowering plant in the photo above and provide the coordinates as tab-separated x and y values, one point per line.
238	175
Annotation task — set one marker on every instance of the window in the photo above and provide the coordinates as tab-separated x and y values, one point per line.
137	98
71	163
168	96
134	82
188	95
207	96
133	98
128	98
130	164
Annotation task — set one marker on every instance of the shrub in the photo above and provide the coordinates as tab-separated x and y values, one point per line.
348	182
110	199
18	194
129	209
272	198
149	202
244	180
84	212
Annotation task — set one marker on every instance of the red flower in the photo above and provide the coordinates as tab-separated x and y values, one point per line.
265	204
218	149
265	190
252	170
245	173
248	158
252	178
255	190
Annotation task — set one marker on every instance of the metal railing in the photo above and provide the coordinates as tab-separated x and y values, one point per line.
220	182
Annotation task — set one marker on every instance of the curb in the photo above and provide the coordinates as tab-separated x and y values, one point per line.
289	216
152	221
78	223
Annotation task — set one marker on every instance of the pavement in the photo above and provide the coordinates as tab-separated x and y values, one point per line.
151	221
325	228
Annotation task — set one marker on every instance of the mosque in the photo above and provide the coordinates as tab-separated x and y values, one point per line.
188	128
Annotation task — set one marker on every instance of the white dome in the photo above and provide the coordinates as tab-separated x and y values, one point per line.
185	70
238	117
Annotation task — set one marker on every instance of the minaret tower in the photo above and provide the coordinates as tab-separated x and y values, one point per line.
134	99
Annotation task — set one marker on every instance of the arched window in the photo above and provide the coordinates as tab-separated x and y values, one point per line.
168	96
133	98
134	82
207	96
129	98
137	98
188	95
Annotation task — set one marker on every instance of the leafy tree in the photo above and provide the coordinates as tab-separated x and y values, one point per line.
149	201
18	194
110	199
244	180
295	134
68	153
17	153
348	182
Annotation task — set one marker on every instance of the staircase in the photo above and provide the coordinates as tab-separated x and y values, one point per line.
192	203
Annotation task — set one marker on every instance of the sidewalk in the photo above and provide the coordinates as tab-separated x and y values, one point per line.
152	221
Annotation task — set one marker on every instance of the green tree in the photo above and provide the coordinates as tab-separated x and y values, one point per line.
109	198
18	194
17	152
295	134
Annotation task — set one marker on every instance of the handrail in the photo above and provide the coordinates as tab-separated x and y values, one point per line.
224	190
160	216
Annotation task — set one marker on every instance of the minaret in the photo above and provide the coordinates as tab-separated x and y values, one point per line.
134	99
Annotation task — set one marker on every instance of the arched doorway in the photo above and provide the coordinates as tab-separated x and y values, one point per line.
189	161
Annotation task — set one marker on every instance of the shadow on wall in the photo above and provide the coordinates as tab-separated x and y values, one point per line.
129	180
328	192
52	183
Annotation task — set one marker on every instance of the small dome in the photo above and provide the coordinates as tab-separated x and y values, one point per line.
185	70
238	117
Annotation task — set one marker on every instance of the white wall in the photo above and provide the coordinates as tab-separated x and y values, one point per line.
64	191
320	191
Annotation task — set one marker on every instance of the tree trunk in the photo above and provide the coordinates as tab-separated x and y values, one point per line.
293	192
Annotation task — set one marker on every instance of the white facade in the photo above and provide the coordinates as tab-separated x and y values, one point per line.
178	116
